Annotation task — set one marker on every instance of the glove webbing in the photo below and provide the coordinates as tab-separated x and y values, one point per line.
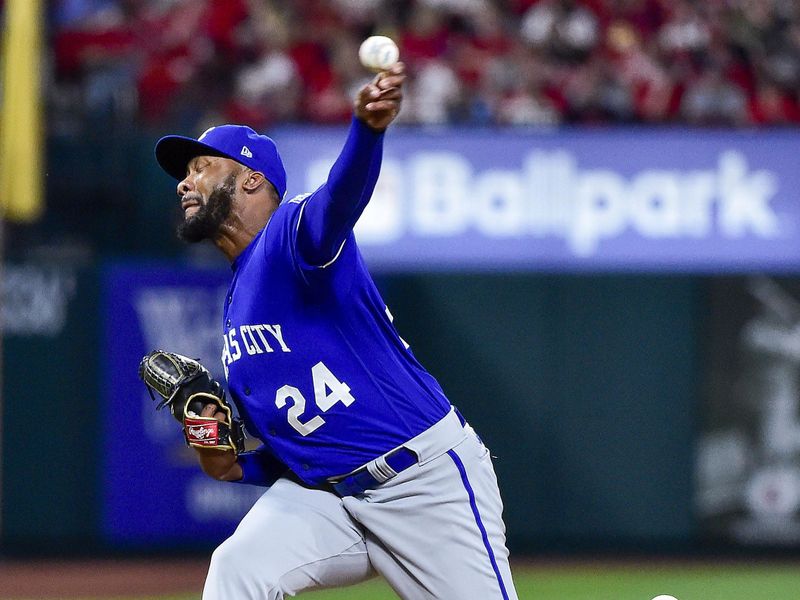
168	382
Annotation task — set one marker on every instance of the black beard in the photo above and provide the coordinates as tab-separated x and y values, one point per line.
207	221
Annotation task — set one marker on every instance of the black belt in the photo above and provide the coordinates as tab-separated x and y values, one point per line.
362	480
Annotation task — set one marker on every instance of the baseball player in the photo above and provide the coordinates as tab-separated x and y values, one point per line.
367	465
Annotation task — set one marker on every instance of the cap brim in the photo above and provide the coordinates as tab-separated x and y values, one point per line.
173	153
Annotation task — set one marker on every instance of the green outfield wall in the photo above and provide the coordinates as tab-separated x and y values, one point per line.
585	389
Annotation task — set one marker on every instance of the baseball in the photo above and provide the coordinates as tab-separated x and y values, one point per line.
378	53
665	597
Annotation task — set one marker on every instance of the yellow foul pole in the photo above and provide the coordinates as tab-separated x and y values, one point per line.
21	127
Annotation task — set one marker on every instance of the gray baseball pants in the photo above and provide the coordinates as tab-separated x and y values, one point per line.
434	531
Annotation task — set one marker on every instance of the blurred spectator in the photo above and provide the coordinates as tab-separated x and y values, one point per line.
564	28
527	105
509	62
266	87
434	96
686	30
711	100
595	94
424	37
94	63
651	85
173	57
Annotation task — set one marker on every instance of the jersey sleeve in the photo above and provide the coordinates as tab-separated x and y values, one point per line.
330	213
260	467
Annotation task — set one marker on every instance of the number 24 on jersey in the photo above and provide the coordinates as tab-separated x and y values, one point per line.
328	390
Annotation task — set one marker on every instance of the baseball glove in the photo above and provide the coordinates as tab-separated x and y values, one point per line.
185	387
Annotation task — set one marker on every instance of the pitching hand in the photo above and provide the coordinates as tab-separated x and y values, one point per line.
378	102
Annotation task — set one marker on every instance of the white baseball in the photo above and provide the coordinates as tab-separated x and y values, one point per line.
378	53
665	597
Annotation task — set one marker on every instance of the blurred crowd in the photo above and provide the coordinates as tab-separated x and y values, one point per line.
484	62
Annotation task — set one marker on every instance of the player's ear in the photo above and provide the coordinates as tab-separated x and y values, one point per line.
253	180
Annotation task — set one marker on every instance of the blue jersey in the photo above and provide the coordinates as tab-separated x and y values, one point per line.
314	364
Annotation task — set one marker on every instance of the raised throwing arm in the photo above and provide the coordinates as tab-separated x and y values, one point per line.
331	212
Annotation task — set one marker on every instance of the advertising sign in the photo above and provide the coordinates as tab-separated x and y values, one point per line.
154	491
610	200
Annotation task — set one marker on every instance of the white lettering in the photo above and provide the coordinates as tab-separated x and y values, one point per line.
600	210
744	198
550	196
275	331
324	380
697	191
499	207
440	193
550	187
34	299
296	409
249	337
655	204
259	329
237	352
246	331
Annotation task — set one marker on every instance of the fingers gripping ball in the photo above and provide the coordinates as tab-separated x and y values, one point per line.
186	387
378	53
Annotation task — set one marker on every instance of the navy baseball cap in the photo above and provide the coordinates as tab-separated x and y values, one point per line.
237	142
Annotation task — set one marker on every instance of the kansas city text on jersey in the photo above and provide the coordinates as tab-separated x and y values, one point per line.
251	339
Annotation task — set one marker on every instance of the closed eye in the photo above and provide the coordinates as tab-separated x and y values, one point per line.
197	166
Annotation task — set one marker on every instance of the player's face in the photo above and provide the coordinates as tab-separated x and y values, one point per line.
206	195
